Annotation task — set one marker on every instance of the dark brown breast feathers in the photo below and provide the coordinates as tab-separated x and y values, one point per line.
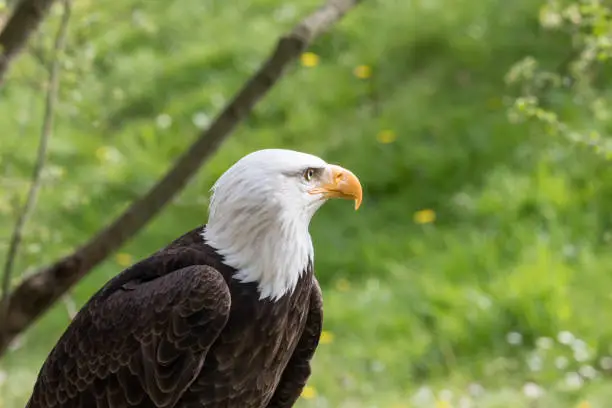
175	330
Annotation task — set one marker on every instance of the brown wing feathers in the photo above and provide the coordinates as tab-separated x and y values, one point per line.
141	346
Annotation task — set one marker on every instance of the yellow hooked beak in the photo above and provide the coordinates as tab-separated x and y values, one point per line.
339	183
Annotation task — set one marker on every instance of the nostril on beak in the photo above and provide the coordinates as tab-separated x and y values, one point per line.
339	176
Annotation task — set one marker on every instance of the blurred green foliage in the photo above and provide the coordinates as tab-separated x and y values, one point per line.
588	23
476	273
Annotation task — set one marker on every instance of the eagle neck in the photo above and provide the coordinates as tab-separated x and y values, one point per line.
274	251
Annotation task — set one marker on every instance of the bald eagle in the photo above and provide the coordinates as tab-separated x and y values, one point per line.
227	315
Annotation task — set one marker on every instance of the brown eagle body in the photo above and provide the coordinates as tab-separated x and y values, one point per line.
175	330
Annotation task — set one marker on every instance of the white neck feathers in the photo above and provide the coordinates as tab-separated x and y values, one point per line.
274	255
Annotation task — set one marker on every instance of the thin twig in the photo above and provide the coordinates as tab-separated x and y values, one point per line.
38	292
45	135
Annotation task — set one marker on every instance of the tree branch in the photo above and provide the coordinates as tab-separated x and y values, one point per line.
38	292
45	135
26	18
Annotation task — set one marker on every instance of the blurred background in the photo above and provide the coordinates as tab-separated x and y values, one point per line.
477	272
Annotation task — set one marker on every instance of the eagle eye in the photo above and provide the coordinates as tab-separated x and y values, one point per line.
309	174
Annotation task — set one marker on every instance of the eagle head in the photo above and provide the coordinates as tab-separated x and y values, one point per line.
260	210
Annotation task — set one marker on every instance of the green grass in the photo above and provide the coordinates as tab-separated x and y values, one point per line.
415	313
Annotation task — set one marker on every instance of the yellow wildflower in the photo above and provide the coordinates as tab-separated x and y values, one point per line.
386	136
309	392
108	154
425	216
326	337
363	71
102	153
343	285
309	59
124	259
443	404
584	404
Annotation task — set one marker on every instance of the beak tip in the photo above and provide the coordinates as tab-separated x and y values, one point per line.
346	185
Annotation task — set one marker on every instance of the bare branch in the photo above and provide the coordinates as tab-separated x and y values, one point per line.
45	135
38	292
26	18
